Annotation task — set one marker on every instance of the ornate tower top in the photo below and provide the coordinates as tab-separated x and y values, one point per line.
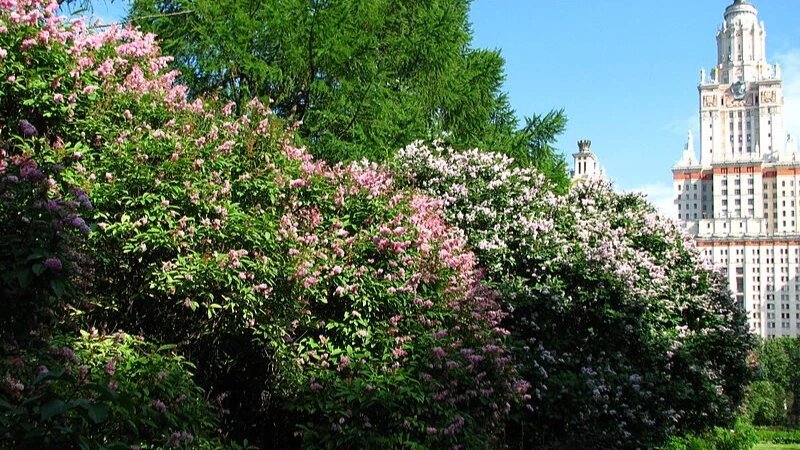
584	145
741	45
740	6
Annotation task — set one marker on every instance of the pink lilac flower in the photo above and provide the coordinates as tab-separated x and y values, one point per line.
53	264
179	437
27	128
111	367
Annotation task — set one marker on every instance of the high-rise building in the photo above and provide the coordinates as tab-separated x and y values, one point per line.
741	199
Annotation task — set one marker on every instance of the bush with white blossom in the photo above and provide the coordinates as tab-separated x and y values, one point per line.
625	334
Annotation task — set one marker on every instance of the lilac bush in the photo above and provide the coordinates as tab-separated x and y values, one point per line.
324	306
43	246
625	334
101	391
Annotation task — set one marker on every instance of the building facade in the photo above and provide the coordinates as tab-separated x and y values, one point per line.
741	198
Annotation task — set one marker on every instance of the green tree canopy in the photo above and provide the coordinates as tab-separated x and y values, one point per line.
773	399
364	77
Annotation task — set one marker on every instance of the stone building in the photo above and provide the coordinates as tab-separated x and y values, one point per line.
740	198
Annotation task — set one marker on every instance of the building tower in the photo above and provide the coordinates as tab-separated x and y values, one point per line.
740	199
586	167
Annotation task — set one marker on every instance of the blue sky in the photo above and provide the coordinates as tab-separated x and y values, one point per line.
625	71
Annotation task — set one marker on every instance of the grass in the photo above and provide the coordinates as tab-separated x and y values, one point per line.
777	447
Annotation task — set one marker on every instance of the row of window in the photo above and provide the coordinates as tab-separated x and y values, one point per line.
757	251
757	315
784	325
737	182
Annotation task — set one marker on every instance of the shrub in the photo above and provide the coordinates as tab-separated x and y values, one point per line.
320	304
742	437
625	335
99	391
41	253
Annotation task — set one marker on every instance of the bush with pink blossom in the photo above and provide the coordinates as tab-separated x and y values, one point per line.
324	306
626	335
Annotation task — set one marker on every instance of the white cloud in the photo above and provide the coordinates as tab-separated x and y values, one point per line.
661	196
790	68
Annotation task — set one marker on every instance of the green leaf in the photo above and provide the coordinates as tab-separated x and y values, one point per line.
58	287
24	277
38	269
97	412
53	408
166	347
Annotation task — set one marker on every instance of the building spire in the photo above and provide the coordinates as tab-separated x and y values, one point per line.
688	158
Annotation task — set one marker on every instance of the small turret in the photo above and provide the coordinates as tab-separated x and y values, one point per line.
586	166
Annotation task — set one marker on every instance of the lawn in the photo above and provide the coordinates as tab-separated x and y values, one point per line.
777	447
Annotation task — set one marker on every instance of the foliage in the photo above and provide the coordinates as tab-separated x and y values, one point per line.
742	437
771	400
99	391
43	232
624	334
766	403
320	304
59	390
778	435
363	77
